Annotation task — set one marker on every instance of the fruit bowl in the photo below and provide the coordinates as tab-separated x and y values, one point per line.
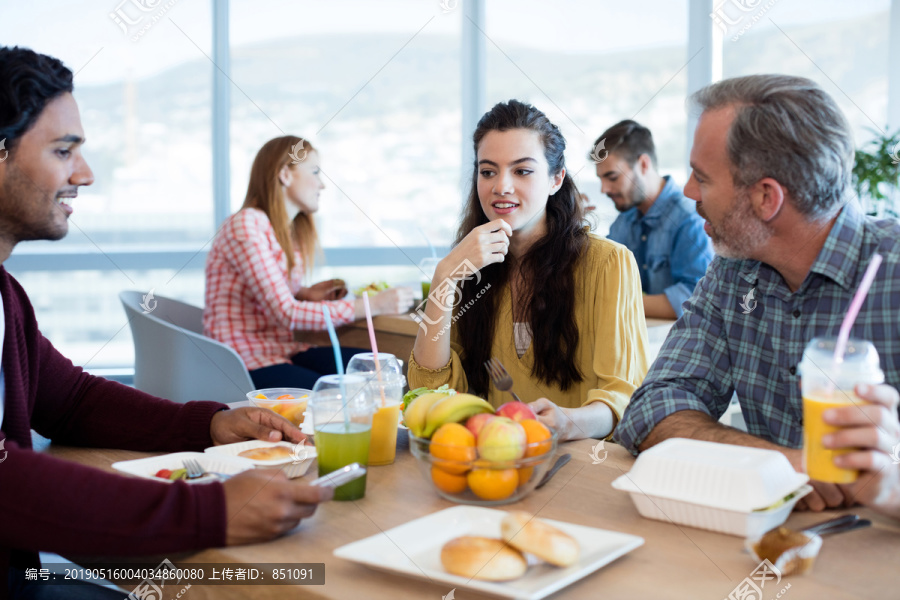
459	474
290	403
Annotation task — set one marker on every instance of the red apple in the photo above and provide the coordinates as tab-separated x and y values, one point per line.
517	411
475	423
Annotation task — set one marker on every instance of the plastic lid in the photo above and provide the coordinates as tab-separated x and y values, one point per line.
859	365
364	362
724	476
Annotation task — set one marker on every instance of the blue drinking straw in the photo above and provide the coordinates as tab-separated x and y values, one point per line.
338	362
428	241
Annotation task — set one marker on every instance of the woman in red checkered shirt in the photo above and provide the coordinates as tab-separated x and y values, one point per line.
255	270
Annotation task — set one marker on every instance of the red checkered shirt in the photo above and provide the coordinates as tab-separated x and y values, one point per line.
250	302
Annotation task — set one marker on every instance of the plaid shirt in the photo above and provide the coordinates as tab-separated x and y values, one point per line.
716	349
250	302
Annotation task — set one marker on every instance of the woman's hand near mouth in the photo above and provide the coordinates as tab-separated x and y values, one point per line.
485	245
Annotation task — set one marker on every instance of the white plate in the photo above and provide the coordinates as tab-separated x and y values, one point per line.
414	549
148	467
293	466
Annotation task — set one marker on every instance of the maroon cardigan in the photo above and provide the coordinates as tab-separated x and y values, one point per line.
48	504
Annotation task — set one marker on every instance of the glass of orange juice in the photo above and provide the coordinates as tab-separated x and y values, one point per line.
387	393
827	385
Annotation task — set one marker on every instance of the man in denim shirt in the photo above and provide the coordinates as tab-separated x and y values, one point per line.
658	224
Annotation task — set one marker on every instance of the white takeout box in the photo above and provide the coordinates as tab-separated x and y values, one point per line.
713	486
292	466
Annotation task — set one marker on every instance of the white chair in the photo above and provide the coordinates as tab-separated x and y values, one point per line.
172	357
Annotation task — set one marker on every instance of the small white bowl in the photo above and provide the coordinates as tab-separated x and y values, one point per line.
293	466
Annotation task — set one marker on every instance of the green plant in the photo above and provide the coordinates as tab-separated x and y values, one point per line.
876	175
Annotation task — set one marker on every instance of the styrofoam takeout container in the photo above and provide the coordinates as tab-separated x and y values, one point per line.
293	466
719	487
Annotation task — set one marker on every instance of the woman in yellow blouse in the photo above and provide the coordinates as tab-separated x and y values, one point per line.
559	307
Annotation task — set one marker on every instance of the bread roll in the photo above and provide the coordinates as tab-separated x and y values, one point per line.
528	534
483	558
273	453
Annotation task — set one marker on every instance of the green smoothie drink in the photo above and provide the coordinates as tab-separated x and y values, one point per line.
339	446
342	409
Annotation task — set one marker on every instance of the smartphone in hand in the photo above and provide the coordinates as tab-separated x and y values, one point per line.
341	476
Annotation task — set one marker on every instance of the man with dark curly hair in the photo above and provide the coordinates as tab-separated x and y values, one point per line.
47	504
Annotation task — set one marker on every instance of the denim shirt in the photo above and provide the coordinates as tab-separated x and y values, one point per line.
671	249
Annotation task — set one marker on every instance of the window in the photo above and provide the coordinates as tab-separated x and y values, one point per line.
375	87
589	65
144	89
843	46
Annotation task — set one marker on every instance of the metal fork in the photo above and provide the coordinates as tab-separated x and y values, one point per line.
500	377
196	471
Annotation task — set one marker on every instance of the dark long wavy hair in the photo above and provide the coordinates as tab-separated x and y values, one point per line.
548	268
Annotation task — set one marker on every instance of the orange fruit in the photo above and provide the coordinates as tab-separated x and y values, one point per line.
493	484
276	407
293	413
447	482
455	444
537	436
525	474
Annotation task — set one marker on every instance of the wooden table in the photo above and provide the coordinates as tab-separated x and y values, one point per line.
396	334
674	562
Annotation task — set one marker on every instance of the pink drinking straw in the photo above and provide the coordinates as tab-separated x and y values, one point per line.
374	345
858	298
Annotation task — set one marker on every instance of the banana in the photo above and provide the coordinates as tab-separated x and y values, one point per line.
453	409
414	415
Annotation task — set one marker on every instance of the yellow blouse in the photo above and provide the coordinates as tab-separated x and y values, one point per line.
612	346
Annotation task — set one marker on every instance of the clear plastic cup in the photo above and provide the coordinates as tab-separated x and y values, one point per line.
388	397
290	403
342	422
826	385
364	362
